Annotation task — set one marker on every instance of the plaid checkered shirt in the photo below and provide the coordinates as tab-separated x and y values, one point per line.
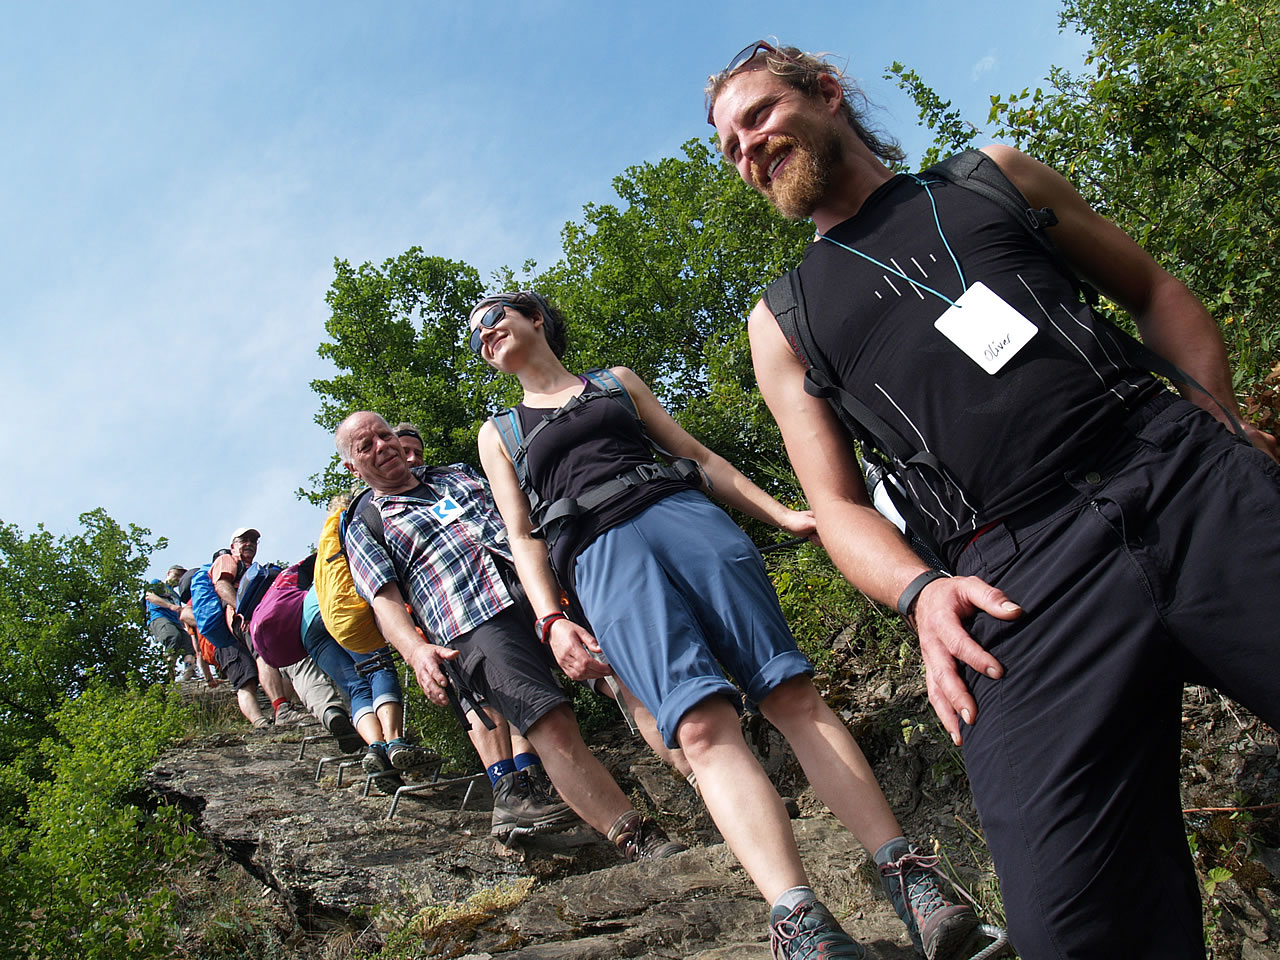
440	548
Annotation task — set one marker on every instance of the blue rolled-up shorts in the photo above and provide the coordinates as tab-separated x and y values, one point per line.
678	597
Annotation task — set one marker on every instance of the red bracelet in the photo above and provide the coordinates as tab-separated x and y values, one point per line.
543	627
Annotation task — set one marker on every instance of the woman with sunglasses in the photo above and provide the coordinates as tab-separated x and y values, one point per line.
677	596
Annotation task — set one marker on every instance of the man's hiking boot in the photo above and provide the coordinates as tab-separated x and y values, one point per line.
404	755
262	723
388	783
809	932
939	928
517	804
290	716
540	785
639	838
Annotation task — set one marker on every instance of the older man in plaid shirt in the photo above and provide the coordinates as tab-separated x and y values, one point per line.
444	542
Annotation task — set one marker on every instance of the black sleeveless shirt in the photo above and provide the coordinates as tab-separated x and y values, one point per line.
1006	437
587	446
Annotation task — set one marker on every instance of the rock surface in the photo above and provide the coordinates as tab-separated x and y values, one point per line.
432	882
334	859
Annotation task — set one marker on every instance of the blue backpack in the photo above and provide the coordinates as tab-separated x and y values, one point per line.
253	584
208	609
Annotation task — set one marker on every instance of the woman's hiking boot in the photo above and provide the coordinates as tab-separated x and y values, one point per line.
940	929
808	931
377	763
518	805
405	755
639	838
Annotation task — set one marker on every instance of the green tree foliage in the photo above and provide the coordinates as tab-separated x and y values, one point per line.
660	283
1175	135
663	283
84	869
69	615
396	336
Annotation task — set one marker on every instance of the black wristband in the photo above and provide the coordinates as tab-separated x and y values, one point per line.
907	601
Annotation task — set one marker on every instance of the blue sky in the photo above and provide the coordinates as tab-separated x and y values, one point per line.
177	179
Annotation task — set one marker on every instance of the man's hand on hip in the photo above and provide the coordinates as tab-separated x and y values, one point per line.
940	612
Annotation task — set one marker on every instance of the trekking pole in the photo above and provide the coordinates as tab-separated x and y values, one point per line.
783	545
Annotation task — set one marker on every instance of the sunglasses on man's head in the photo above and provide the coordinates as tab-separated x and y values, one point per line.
492	317
747	54
741	59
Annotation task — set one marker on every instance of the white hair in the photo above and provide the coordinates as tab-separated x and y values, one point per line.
340	438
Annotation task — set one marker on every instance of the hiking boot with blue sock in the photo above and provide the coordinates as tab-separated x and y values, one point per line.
940	929
808	931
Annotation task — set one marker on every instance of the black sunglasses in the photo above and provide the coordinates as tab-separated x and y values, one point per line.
492	317
747	54
740	59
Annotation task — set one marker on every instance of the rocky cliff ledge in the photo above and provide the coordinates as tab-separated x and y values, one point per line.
432	882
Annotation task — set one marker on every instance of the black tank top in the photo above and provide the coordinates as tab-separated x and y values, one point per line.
581	449
1006	437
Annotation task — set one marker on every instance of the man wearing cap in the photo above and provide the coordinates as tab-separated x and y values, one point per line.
411	441
1110	540
225	574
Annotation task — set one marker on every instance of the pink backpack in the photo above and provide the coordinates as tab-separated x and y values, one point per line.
276	627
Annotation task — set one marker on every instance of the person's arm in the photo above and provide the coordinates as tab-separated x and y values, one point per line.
375	578
398	628
724	481
164	602
572	644
1171	319
866	547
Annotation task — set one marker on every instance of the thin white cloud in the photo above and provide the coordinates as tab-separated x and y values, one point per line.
985	65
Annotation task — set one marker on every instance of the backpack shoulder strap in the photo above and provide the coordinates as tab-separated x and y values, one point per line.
508	425
785	298
362	508
974	170
603	378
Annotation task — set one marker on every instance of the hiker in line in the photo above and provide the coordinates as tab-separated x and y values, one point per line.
1108	540
677	596
411	440
163	607
274	625
205	666
442	542
234	661
226	573
514	770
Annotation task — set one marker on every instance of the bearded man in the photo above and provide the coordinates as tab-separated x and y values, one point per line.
1109	540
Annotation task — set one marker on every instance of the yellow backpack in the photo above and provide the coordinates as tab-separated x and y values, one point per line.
346	614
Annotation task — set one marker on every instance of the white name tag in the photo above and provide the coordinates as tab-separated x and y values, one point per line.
987	329
446	510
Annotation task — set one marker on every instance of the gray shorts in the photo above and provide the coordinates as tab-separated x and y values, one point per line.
237	665
506	665
170	635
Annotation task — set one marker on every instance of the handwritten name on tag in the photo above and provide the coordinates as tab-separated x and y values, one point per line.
985	328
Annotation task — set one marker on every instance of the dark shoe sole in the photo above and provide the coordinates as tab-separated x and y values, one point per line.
541	825
387	783
954	940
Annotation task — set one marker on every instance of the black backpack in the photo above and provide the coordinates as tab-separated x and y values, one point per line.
551	519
